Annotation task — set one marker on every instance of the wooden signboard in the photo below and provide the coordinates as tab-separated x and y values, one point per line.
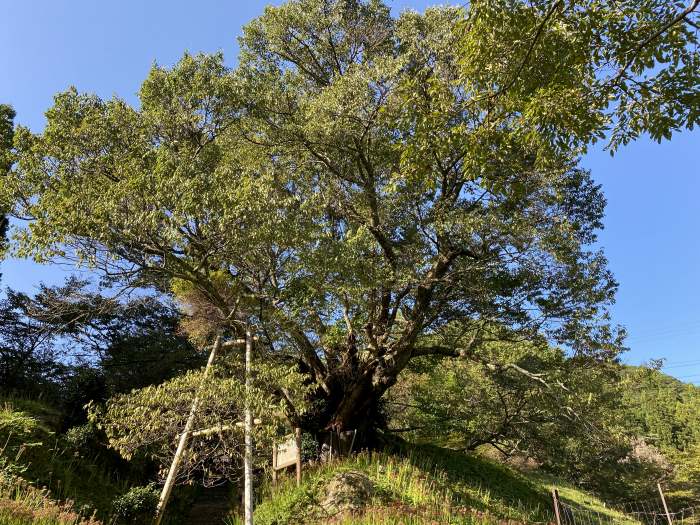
287	453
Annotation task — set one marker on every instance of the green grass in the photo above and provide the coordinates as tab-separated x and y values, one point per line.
430	485
422	485
23	504
414	485
46	416
588	507
31	449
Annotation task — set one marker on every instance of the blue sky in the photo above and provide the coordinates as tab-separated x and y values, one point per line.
652	220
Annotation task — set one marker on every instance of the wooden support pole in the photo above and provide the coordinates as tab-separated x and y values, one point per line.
182	443
274	464
297	435
248	456
218	429
555	500
663	500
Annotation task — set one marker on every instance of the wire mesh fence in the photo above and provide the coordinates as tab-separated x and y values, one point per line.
633	513
648	513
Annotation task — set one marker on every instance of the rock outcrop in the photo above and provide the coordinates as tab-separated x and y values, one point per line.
347	491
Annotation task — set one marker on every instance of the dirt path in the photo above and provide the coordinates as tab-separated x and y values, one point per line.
211	506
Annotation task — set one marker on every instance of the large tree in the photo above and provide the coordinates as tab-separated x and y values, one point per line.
367	189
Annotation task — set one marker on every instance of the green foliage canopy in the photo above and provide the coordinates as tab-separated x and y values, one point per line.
568	418
7	115
149	421
367	181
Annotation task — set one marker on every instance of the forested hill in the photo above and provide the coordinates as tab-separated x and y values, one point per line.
661	409
665	413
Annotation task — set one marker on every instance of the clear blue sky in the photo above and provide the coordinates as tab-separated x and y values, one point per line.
652	222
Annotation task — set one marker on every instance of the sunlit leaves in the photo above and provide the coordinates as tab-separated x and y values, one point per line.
149	421
366	176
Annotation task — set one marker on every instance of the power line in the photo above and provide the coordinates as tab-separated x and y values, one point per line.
660	330
687	376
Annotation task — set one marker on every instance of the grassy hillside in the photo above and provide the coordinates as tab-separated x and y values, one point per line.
32	450
427	485
23	504
53	478
412	485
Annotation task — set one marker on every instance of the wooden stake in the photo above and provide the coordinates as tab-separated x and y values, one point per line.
182	443
352	443
297	435
555	500
274	464
663	500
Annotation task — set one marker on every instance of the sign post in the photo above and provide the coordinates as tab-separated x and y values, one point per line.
287	453
274	464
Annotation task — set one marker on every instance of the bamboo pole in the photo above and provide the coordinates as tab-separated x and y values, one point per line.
219	429
184	438
663	500
297	435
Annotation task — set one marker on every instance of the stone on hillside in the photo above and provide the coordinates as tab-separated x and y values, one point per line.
347	492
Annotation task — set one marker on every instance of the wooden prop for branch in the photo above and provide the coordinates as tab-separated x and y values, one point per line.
555	500
184	438
663	500
248	456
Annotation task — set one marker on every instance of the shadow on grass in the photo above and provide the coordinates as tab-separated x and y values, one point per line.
480	483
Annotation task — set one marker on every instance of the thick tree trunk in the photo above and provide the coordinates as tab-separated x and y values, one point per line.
353	405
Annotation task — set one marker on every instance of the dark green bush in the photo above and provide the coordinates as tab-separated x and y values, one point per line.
82	439
137	506
309	448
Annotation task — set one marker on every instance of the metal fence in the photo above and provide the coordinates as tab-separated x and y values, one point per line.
633	513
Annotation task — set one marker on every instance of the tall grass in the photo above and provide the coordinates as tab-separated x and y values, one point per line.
31	448
421	486
427	485
411	516
23	504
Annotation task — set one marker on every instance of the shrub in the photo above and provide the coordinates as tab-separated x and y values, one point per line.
137	506
82	438
309	448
